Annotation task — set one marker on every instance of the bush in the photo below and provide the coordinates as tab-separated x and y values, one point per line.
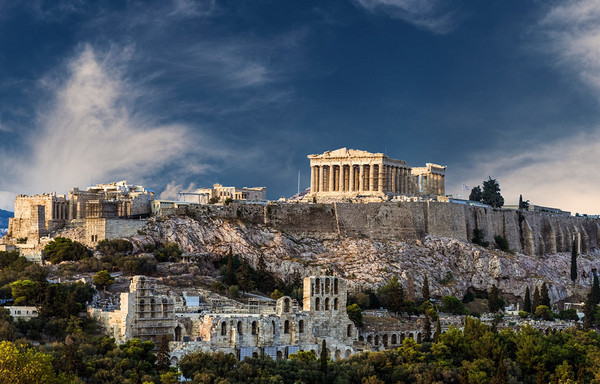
523	314
501	243
568	314
65	249
451	304
168	252
478	238
114	247
543	312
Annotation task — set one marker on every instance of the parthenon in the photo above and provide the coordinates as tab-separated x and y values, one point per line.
355	173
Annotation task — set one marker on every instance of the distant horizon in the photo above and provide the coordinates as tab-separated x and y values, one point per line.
177	94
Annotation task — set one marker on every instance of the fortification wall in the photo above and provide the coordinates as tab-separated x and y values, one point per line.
532	233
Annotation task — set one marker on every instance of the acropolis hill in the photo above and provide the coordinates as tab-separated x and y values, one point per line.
362	204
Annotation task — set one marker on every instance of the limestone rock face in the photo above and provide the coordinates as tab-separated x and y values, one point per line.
452	266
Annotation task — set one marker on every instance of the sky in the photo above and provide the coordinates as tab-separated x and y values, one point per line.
180	94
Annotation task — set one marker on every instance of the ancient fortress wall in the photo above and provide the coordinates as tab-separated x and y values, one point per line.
532	233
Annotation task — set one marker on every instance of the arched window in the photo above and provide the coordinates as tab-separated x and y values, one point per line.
327	286
286	305
317	286
286	327
376	340
349	330
254	331
335	286
223	329
370	339
178	333
274	327
301	326
327	304
385	340
394	339
239	327
317	304
335	304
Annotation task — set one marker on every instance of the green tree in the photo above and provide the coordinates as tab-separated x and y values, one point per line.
524	205
574	261
64	249
426	328
451	304
26	292
491	193
276	295
103	279
391	295
596	290
245	277
425	289
168	252
475	194
543	312
527	301
323	359
26	365
536	302
544	296
162	355
230	273
438	330
355	314
495	302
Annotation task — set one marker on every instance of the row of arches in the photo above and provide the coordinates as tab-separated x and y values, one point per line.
327	287
326	304
255	329
393	339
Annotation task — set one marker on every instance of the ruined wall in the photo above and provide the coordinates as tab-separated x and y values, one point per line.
532	233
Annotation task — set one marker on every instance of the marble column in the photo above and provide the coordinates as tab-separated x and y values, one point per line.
320	170
351	170
371	178
331	172
361	177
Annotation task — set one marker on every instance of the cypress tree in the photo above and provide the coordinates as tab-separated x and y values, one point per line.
494	299
323	359
544	296
230	275
536	299
426	329
574	261
527	301
596	290
589	310
438	330
425	290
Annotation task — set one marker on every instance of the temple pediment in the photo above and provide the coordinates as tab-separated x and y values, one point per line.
344	152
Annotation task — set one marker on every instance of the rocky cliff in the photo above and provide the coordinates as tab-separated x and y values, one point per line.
451	264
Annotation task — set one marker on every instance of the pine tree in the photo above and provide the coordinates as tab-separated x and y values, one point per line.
574	261
544	296
425	289
438	330
536	299
162	354
589	311
596	290
491	193
527	301
230	276
501	377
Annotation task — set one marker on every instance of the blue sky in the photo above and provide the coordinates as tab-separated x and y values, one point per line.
179	92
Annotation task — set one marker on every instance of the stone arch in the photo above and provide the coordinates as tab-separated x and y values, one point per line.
361	339
286	326
327	286
178	333
394	339
317	286
411	336
174	361
335	304
279	355
349	330
419	337
327	303
318	304
254	355
274	327
239	328
384	340
254	328
338	354
286	305
335	286
348	353
223	328
402	337
376	340
301	326
370	339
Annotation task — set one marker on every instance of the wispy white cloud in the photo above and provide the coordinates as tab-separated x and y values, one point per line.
437	16
563	173
193	8
171	191
96	124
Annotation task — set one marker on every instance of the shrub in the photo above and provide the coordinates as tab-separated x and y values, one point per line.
451	304
65	249
501	243
168	252
523	314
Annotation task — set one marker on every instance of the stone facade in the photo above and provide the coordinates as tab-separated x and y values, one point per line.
219	194
354	173
244	331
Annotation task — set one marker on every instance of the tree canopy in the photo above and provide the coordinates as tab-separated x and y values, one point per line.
491	193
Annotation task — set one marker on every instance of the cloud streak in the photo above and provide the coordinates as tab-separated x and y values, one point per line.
433	15
96	125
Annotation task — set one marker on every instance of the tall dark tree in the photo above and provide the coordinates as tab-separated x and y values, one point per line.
494	300
589	311
391	295
527	301
230	274
426	329
501	376
574	261
491	193
162	354
475	194
438	330
536	299
425	289
524	205
245	277
544	296
323	359
596	290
